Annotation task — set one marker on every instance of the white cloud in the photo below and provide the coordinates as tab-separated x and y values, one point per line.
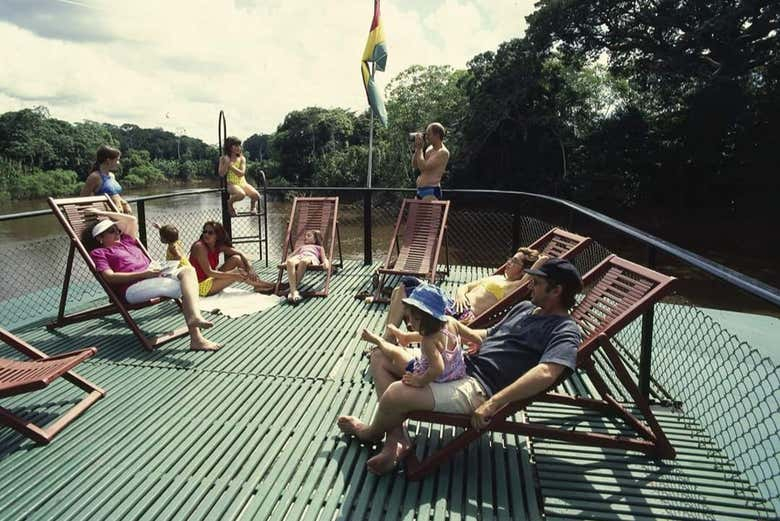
257	61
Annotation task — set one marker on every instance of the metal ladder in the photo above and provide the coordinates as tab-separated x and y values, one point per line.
261	184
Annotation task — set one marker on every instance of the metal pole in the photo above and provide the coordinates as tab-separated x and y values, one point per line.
367	242
645	353
367	245
141	207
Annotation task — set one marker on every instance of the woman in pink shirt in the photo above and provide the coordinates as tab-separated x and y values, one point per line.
310	253
123	264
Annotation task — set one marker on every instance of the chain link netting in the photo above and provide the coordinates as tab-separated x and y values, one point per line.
724	383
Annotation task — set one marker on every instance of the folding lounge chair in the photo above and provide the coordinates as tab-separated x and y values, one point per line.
619	292
556	243
17	377
312	213
70	214
416	253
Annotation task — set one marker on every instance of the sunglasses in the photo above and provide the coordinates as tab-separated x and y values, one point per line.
113	229
209	232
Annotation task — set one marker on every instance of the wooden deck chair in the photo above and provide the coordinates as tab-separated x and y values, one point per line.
619	291
70	214
312	213
416	251
17	377
557	243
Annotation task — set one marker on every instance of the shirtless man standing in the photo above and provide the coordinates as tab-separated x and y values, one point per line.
431	162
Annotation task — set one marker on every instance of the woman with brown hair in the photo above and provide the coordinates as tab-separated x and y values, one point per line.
204	257
101	179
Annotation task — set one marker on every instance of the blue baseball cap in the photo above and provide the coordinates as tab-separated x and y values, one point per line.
429	298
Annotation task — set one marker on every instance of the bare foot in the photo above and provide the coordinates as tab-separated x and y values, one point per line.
200	323
369	336
205	345
388	459
355	427
401	338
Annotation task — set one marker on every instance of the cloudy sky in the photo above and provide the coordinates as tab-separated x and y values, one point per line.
176	63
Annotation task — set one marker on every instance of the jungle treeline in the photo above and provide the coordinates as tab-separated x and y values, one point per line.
610	103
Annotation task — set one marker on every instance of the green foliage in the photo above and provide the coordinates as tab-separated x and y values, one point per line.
143	175
38	184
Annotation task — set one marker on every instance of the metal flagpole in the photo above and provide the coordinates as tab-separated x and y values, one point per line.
370	137
367	242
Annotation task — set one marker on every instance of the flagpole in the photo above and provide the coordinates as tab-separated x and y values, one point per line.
370	138
367	242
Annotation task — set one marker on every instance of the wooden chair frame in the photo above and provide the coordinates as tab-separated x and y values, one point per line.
621	291
417	254
17	377
70	214
557	243
312	213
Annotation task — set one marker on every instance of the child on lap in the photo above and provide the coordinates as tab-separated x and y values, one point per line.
441	358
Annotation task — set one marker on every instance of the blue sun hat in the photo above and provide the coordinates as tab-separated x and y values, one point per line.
429	298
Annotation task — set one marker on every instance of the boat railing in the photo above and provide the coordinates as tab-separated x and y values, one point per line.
698	352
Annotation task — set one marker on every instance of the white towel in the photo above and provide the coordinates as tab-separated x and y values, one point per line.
235	302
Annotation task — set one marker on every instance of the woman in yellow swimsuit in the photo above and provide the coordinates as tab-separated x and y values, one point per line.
232	165
472	299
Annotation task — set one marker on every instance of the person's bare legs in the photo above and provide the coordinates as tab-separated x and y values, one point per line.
397	355
292	265
236	194
397	444
397	400
401	338
195	321
395	312
254	197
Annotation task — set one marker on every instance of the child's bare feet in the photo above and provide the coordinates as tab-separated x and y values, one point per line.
370	336
401	338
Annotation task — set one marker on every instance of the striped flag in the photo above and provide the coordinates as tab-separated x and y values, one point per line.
376	52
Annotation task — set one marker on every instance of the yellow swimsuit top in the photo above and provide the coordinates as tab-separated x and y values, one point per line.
496	284
232	177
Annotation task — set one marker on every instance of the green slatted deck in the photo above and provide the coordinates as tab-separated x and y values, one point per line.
249	433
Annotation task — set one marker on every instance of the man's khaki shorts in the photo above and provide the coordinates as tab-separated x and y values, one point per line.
458	396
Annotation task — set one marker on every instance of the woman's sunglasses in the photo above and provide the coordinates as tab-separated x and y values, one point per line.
113	229
209	232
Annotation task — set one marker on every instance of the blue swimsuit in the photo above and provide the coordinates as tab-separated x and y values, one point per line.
424	191
108	185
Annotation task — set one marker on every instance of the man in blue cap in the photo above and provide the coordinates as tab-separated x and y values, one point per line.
522	356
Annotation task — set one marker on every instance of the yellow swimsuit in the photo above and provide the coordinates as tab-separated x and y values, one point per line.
496	284
232	177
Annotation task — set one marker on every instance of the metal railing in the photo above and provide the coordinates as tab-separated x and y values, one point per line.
684	352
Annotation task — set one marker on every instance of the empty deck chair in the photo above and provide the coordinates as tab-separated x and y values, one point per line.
70	214
17	377
619	291
312	213
557	243
416	251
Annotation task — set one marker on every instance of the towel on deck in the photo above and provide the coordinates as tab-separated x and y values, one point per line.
236	302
